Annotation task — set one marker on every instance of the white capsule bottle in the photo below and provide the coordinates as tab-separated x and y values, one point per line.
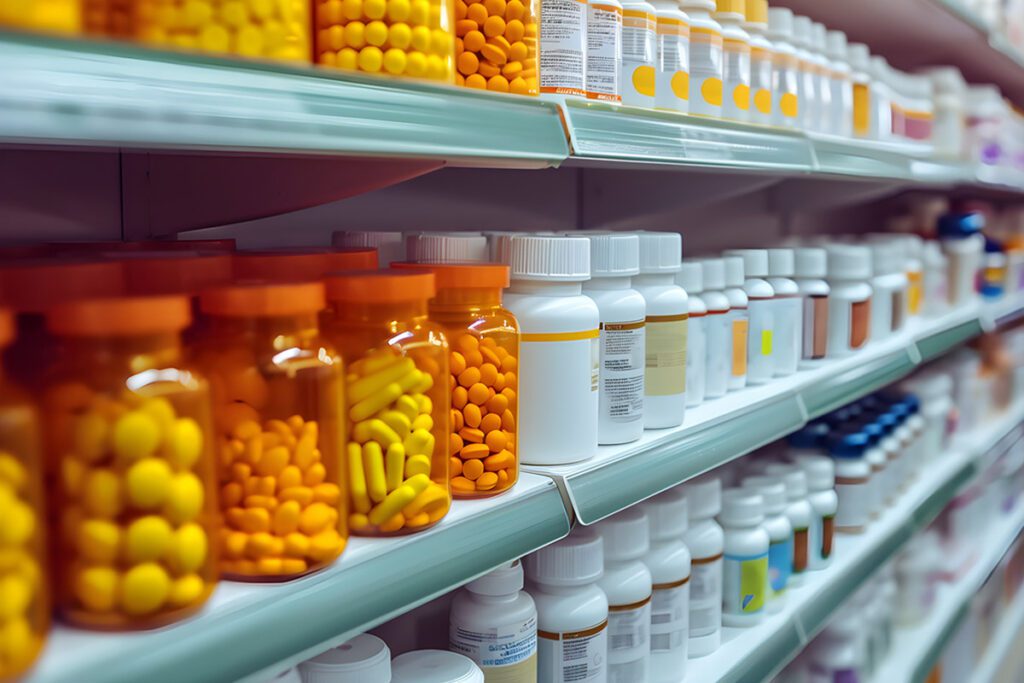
706	542
690	278
786	81
745	570
706	67
821	494
762	62
761	307
735	60
638	75
739	320
672	91
780	537
801	516
810	269
717	330
789	314
849	302
604	50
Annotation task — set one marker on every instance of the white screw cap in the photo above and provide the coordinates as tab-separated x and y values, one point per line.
755	261
780	23
741	507
549	258
772	491
780	262
435	666
667	514
446	247
734	272
848	262
810	263
660	252
614	254
704	497
505	580
626	535
576	560
792	476
691	277
364	659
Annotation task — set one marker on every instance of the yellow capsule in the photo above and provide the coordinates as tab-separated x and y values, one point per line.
296	545
326	545
398	422
420	442
376	33
303	495
419	12
273	461
426	500
418	464
425	405
147	539
406	405
290	476
374	9
99	540
286	518
184	443
316	518
424	422
355	37
382	433
421	41
357	479
372	384
394	466
370	405
306	453
392	504
188	549
315	475
72	475
144	589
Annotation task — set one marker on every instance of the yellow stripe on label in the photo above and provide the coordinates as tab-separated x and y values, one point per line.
766	342
560	336
760	53
736	46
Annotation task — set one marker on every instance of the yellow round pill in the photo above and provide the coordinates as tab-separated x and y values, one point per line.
148	538
249	41
186	590
394	61
184	443
148	482
96	588
98	540
214	38
437	69
347	58
355	34
376	33
416	64
89	437
102	494
371	59
136	435
398	10
185	498
188	549
352	9
144	589
400	36
374	9
421	39
15	596
419	12
441	42
518	86
161	410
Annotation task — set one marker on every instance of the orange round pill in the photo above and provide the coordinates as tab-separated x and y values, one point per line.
489	354
454	443
510	380
467	342
514	30
497	404
457	422
487	481
473	357
474	40
488	343
472	469
488	373
494	26
508	421
459	397
478	393
454	464
464	26
518	51
508	364
463	484
488	71
476	81
477	13
499	381
460	10
496	441
490	422
511	70
472	415
503	479
456	362
514	10
519	87
495	7
473	436
468	63
509	393
500	43
494	54
470	375
476	451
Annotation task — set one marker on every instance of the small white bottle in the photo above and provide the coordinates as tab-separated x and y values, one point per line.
934	280
761	309
786	81
745	570
860	79
563	49
434	666
735	60
666	329
739	320
706	542
810	269
604	51
672	91
821	481
493	621
669	562
572	610
614	261
889	289
881	98
800	514
446	247
849	302
690	278
780	536
363	659
390	246
559	349
853	482
717	329
823	83
638	76
762	62
842	87
789	312
706	69
876	458
628	584
810	103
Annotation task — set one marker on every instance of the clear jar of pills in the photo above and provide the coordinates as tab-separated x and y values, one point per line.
61	16
496	45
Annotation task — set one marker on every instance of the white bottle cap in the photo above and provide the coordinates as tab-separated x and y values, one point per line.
755	261
836	42
290	676
886	257
810	262
708	5
818	40
576	560
859	56
802	31
780	262
549	258
819	470
497	244
772	491
734	273
741	507
848	262
505	580
691	277
613	254
780	23
667	515
390	246
435	666
704	497
660	252
879	68
713	270
792	476
446	247
364	659
626	535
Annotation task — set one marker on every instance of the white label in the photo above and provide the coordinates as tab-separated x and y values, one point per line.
705	72
705	597
673	86
670	617
696	350
814	535
604	52
761	93
572	657
629	642
639	47
823	86
512	647
788	334
786	86
622	372
563	30
760	342
718	335
842	105
736	76
855	502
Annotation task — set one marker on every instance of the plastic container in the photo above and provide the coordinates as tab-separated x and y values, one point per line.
564	59
390	246
853	485
128	429
690	278
849	303
59	16
807	85
434	666
801	516
889	289
499	50
821	480
916	575
786	75
706	58
881	99
614	261
935	285
762	58
414	42
301	265
963	244
810	269
446	247
717	329
842	86
363	659
934	389
780	537
739	320
672	72
669	562
860	78
628	584
638	76
745	570
667	329
397	363
288	676
789	312
603	40
559	351
823	80
913	248
493	621
761	309
735	59
572	611
483	363
706	542
920	115
876	458
277	412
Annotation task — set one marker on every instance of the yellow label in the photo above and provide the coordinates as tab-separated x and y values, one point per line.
766	342
915	290
763	101
739	347
711	90
681	85
643	80
861	109
741	97
665	367
789	105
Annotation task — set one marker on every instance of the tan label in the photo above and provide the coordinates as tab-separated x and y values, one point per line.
915	289
739	347
800	554
665	373
861	109
828	533
860	323
815	327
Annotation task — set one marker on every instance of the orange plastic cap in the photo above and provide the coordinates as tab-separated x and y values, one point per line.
462	275
381	286
280	266
123	317
6	327
35	286
251	299
176	273
355	258
222	245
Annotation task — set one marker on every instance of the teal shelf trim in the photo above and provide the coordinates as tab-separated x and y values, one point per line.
860	158
840	388
943	342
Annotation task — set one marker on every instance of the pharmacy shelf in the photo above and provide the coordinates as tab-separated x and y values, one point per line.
916	650
1002	642
250	632
757	653
725	428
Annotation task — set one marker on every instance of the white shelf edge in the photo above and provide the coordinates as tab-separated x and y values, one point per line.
1002	642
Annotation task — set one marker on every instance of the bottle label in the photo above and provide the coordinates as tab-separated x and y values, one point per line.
604	52
842	104
860	323
705	71
761	66
670	615
899	308
563	30
629	626
696	356
673	88
509	649
786	85
665	354
622	372
744	583
828	532
780	565
814	535
855	503
915	289
808	85
815	327
639	51
861	109
759	353
740	325
736	75
800	550
823	86
573	657
718	356
705	595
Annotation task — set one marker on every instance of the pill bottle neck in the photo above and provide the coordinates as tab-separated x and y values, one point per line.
134	353
495	599
559	590
620	282
654	279
280	331
546	288
375	313
468	298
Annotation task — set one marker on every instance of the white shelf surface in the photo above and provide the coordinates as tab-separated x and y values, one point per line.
251	631
1003	642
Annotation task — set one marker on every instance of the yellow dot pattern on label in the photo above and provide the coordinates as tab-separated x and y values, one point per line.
643	80
763	101
789	105
711	91
741	96
680	84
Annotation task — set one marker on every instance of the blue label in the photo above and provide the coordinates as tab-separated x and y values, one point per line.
780	564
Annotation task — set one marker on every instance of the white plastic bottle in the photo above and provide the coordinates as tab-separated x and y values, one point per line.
706	542
690	278
789	312
735	60
628	584
860	79
842	87
780	536
800	514
810	269
390	246
666	330
717	329
639	53
493	621
604	51
706	69
672	90
849	302
559	350
876	458
363	659
762	62
934	280
434	666
810	103
572	611
786	81
889	289
821	494
745	570
761	309
669	562
614	261
563	48
739	320
881	98
853	482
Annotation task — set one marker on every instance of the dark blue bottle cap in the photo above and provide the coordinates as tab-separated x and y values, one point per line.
960	225
850	445
888	423
874	432
811	436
